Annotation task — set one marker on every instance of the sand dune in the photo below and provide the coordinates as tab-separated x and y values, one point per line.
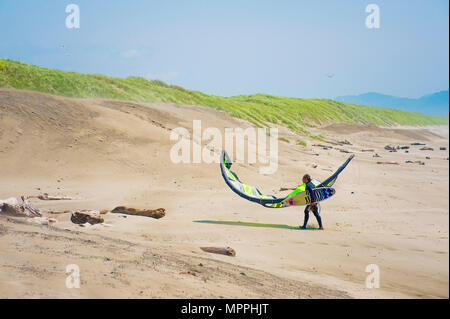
110	153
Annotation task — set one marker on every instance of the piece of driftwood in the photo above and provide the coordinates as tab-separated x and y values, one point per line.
325	147
343	150
228	251
415	162
442	148
9	201
344	142
287	189
341	143
92	217
154	213
12	206
42	220
391	148
46	196
417	144
368	150
88	225
56	212
189	272
388	163
426	149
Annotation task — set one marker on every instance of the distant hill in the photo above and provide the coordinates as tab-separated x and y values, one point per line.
260	109
432	104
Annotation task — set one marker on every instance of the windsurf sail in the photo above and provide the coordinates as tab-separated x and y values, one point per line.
332	179
246	191
253	194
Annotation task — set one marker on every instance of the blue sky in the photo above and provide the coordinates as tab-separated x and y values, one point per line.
234	47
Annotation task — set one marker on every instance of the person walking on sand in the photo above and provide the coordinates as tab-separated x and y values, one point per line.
312	206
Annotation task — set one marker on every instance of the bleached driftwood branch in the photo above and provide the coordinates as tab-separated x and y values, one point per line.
228	251
11	206
388	163
46	196
82	217
154	213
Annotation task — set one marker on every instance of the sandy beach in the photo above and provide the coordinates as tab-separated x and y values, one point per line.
106	153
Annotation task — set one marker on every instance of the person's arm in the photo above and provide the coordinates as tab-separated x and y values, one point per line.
311	194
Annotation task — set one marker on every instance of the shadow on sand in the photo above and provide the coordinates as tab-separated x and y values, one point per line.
251	224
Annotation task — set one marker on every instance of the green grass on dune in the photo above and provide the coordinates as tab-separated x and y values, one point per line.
260	109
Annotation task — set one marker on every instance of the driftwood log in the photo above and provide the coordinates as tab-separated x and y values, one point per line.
287	189
46	196
344	142
390	148
325	147
388	163
343	150
154	213
12	206
341	143
42	220
228	251
92	217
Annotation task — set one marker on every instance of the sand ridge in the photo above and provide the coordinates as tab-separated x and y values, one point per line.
110	153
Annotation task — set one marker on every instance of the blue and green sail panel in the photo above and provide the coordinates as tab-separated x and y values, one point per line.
246	191
252	193
332	179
